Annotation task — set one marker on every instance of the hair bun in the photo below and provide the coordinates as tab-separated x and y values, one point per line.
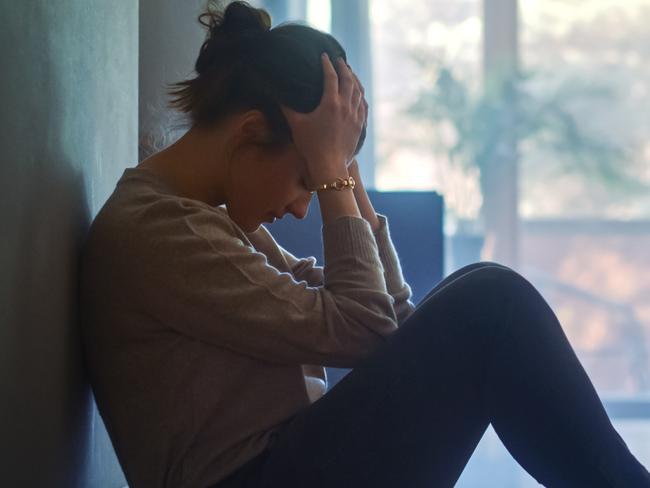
240	17
237	18
236	26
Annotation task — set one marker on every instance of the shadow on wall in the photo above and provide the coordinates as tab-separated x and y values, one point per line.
49	400
55	130
51	416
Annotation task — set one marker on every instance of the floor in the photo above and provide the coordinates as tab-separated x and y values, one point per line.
491	460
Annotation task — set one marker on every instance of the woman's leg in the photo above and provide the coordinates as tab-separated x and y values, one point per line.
485	347
457	274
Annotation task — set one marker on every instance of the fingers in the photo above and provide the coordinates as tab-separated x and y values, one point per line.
360	104
365	109
351	87
363	91
356	98
288	112
362	113
342	83
330	78
347	83
362	109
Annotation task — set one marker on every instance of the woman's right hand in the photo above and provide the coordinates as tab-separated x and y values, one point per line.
328	136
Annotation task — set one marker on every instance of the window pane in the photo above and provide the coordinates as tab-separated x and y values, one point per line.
586	229
591	56
319	14
409	40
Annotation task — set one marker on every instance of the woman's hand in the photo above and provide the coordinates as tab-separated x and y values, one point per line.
353	161
353	168
328	136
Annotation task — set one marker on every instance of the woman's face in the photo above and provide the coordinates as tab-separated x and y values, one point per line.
267	184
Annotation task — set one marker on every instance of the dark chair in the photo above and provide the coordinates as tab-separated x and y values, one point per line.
416	225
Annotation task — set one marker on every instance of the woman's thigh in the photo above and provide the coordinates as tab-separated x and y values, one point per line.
409	414
457	274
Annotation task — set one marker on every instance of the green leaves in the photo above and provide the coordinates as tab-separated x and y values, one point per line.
527	107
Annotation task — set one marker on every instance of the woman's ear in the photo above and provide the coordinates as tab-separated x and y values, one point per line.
253	128
248	131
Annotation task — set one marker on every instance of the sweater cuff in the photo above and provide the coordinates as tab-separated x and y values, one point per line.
349	235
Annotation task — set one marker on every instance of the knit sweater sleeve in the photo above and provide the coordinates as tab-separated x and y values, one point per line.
307	269
304	268
396	286
205	282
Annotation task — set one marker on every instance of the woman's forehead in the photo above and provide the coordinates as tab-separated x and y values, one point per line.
297	161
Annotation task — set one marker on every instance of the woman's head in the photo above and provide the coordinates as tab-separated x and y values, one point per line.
240	140
244	64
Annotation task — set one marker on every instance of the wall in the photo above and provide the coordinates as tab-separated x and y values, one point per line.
68	129
170	39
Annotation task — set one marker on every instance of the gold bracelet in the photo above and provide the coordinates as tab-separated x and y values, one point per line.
338	185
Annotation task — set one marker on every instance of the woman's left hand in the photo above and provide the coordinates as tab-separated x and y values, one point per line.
353	167
353	161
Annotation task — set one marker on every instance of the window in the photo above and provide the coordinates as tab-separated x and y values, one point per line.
409	40
591	238
581	230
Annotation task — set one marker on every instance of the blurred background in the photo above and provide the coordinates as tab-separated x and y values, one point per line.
531	119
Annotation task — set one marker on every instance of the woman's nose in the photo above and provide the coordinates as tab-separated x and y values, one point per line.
300	207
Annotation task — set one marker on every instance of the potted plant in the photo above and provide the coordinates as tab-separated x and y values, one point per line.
490	125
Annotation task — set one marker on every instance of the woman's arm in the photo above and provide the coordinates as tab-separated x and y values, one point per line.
395	283
363	202
306	268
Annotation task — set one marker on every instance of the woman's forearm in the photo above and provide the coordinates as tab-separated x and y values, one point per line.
363	201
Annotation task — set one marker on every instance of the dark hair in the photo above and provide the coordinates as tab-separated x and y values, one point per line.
245	64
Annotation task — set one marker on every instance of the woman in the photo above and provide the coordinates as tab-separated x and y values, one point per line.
205	341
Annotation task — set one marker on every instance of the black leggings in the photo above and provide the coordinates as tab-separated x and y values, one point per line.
483	347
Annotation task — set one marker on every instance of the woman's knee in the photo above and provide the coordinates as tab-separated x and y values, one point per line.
497	278
494	271
476	298
481	269
457	274
479	280
491	263
476	265
473	279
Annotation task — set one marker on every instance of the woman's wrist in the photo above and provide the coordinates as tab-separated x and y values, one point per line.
353	168
361	196
328	171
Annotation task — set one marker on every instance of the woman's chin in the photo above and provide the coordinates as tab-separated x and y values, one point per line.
246	225
251	227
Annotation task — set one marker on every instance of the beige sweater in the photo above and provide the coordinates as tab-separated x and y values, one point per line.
202	340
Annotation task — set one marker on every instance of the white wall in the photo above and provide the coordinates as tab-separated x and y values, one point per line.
68	128
170	39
